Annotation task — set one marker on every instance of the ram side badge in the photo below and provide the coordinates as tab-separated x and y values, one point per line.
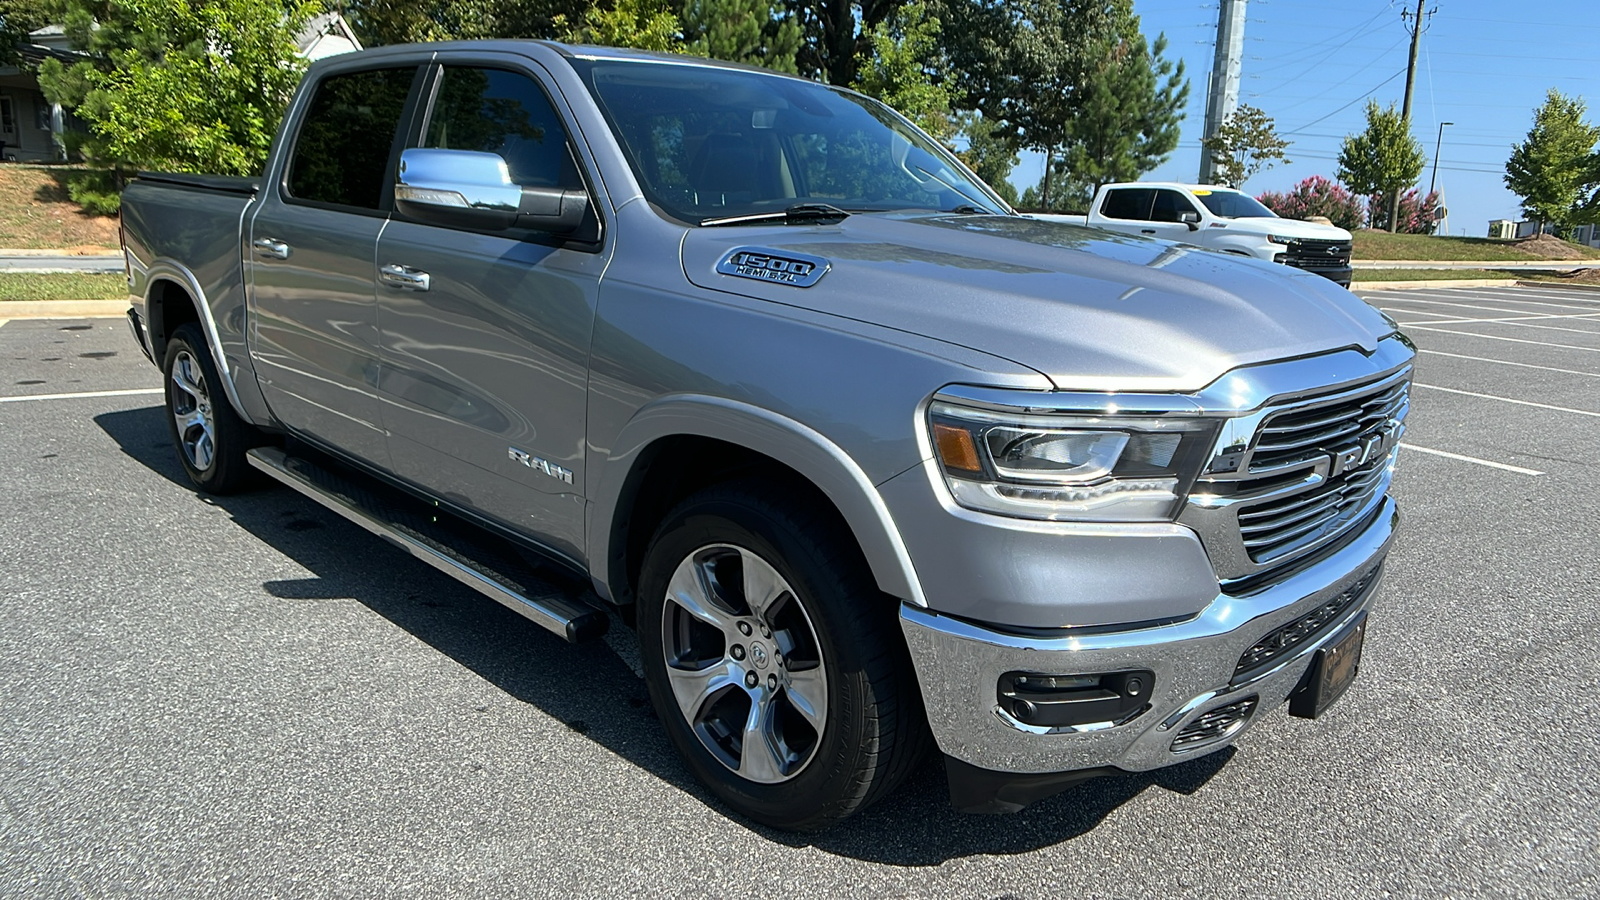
793	269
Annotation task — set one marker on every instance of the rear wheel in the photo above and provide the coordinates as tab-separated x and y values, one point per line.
210	437
773	661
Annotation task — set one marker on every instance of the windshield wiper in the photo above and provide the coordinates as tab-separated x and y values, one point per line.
967	209
804	212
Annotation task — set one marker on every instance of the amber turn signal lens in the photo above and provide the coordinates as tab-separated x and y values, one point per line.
957	450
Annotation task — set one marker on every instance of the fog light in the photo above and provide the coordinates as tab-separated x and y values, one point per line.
1056	701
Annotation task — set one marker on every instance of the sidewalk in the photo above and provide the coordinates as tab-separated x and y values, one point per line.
63	309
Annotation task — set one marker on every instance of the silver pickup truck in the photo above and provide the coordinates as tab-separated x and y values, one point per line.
872	464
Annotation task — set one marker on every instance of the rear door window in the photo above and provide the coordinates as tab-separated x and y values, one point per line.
1128	203
341	156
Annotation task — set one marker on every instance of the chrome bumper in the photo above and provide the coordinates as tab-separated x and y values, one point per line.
959	665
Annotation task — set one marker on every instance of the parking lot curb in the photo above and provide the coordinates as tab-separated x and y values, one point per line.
63	309
1440	283
1590	288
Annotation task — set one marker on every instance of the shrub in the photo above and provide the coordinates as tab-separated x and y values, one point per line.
1417	214
1317	196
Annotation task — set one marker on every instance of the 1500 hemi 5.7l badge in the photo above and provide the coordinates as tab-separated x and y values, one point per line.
793	269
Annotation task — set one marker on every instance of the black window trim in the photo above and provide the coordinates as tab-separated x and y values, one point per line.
540	76
420	69
1114	191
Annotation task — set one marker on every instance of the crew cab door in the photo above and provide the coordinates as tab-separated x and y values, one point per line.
311	246
486	333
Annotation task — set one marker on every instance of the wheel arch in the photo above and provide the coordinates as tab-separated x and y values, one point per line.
172	297
680	444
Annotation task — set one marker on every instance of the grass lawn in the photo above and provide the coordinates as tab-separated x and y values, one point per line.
36	214
67	286
1382	245
1366	276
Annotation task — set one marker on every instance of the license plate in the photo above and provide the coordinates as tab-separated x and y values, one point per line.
1332	670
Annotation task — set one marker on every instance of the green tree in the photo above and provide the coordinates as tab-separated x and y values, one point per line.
837	35
1022	64
182	85
17	19
1245	143
1130	103
745	31
898	69
989	156
1554	170
1384	159
640	24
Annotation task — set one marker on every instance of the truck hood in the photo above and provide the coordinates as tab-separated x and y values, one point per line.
1089	309
1293	228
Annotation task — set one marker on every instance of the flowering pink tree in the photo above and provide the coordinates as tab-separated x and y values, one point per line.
1418	214
1317	196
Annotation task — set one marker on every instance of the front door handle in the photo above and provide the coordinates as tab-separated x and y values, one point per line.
1147	231
404	278
272	249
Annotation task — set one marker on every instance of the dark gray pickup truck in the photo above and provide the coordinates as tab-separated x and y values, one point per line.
874	466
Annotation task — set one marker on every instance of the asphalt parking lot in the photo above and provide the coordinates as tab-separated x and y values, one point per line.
247	696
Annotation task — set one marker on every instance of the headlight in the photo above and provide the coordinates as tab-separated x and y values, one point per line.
1093	469
1278	239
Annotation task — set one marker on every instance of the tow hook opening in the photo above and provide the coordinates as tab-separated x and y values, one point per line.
1058	701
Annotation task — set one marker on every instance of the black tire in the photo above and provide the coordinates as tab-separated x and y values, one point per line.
209	436
874	732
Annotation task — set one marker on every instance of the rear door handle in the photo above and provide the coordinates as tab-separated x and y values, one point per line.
404	278
1147	231
272	249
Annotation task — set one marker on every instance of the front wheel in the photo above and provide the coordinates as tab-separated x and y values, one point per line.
773	661
210	437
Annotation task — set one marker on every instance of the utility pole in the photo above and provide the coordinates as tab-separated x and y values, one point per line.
1223	92
1416	24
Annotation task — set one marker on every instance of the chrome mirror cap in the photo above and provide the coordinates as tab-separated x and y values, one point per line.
457	179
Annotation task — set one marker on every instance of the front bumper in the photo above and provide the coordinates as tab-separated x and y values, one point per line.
959	665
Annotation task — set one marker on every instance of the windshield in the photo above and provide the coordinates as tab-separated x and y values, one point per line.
1234	205
709	143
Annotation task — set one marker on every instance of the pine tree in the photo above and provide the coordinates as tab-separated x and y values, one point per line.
746	31
1129	107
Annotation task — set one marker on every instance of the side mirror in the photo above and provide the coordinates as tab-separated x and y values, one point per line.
474	190
1191	219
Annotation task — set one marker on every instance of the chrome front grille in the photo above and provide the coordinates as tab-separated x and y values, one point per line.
1298	475
1295	435
1280	528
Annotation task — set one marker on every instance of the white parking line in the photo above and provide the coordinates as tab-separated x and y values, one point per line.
1496	337
1435	387
86	394
1473	459
3	322
1507	362
1457	304
1456	320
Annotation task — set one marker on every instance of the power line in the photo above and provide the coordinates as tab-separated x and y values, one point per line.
1348	105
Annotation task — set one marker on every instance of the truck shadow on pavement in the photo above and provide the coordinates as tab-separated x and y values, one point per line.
590	689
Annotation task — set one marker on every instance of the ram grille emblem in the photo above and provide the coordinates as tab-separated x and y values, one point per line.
793	269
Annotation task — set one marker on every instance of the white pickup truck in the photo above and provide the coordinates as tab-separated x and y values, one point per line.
1220	218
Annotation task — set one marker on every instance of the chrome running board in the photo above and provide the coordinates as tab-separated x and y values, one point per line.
459	549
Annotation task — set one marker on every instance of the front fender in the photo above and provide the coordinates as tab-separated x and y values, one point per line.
792	443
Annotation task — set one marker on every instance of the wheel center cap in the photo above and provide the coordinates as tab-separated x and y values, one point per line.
758	655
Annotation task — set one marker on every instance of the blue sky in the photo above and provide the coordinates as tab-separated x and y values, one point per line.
1483	65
